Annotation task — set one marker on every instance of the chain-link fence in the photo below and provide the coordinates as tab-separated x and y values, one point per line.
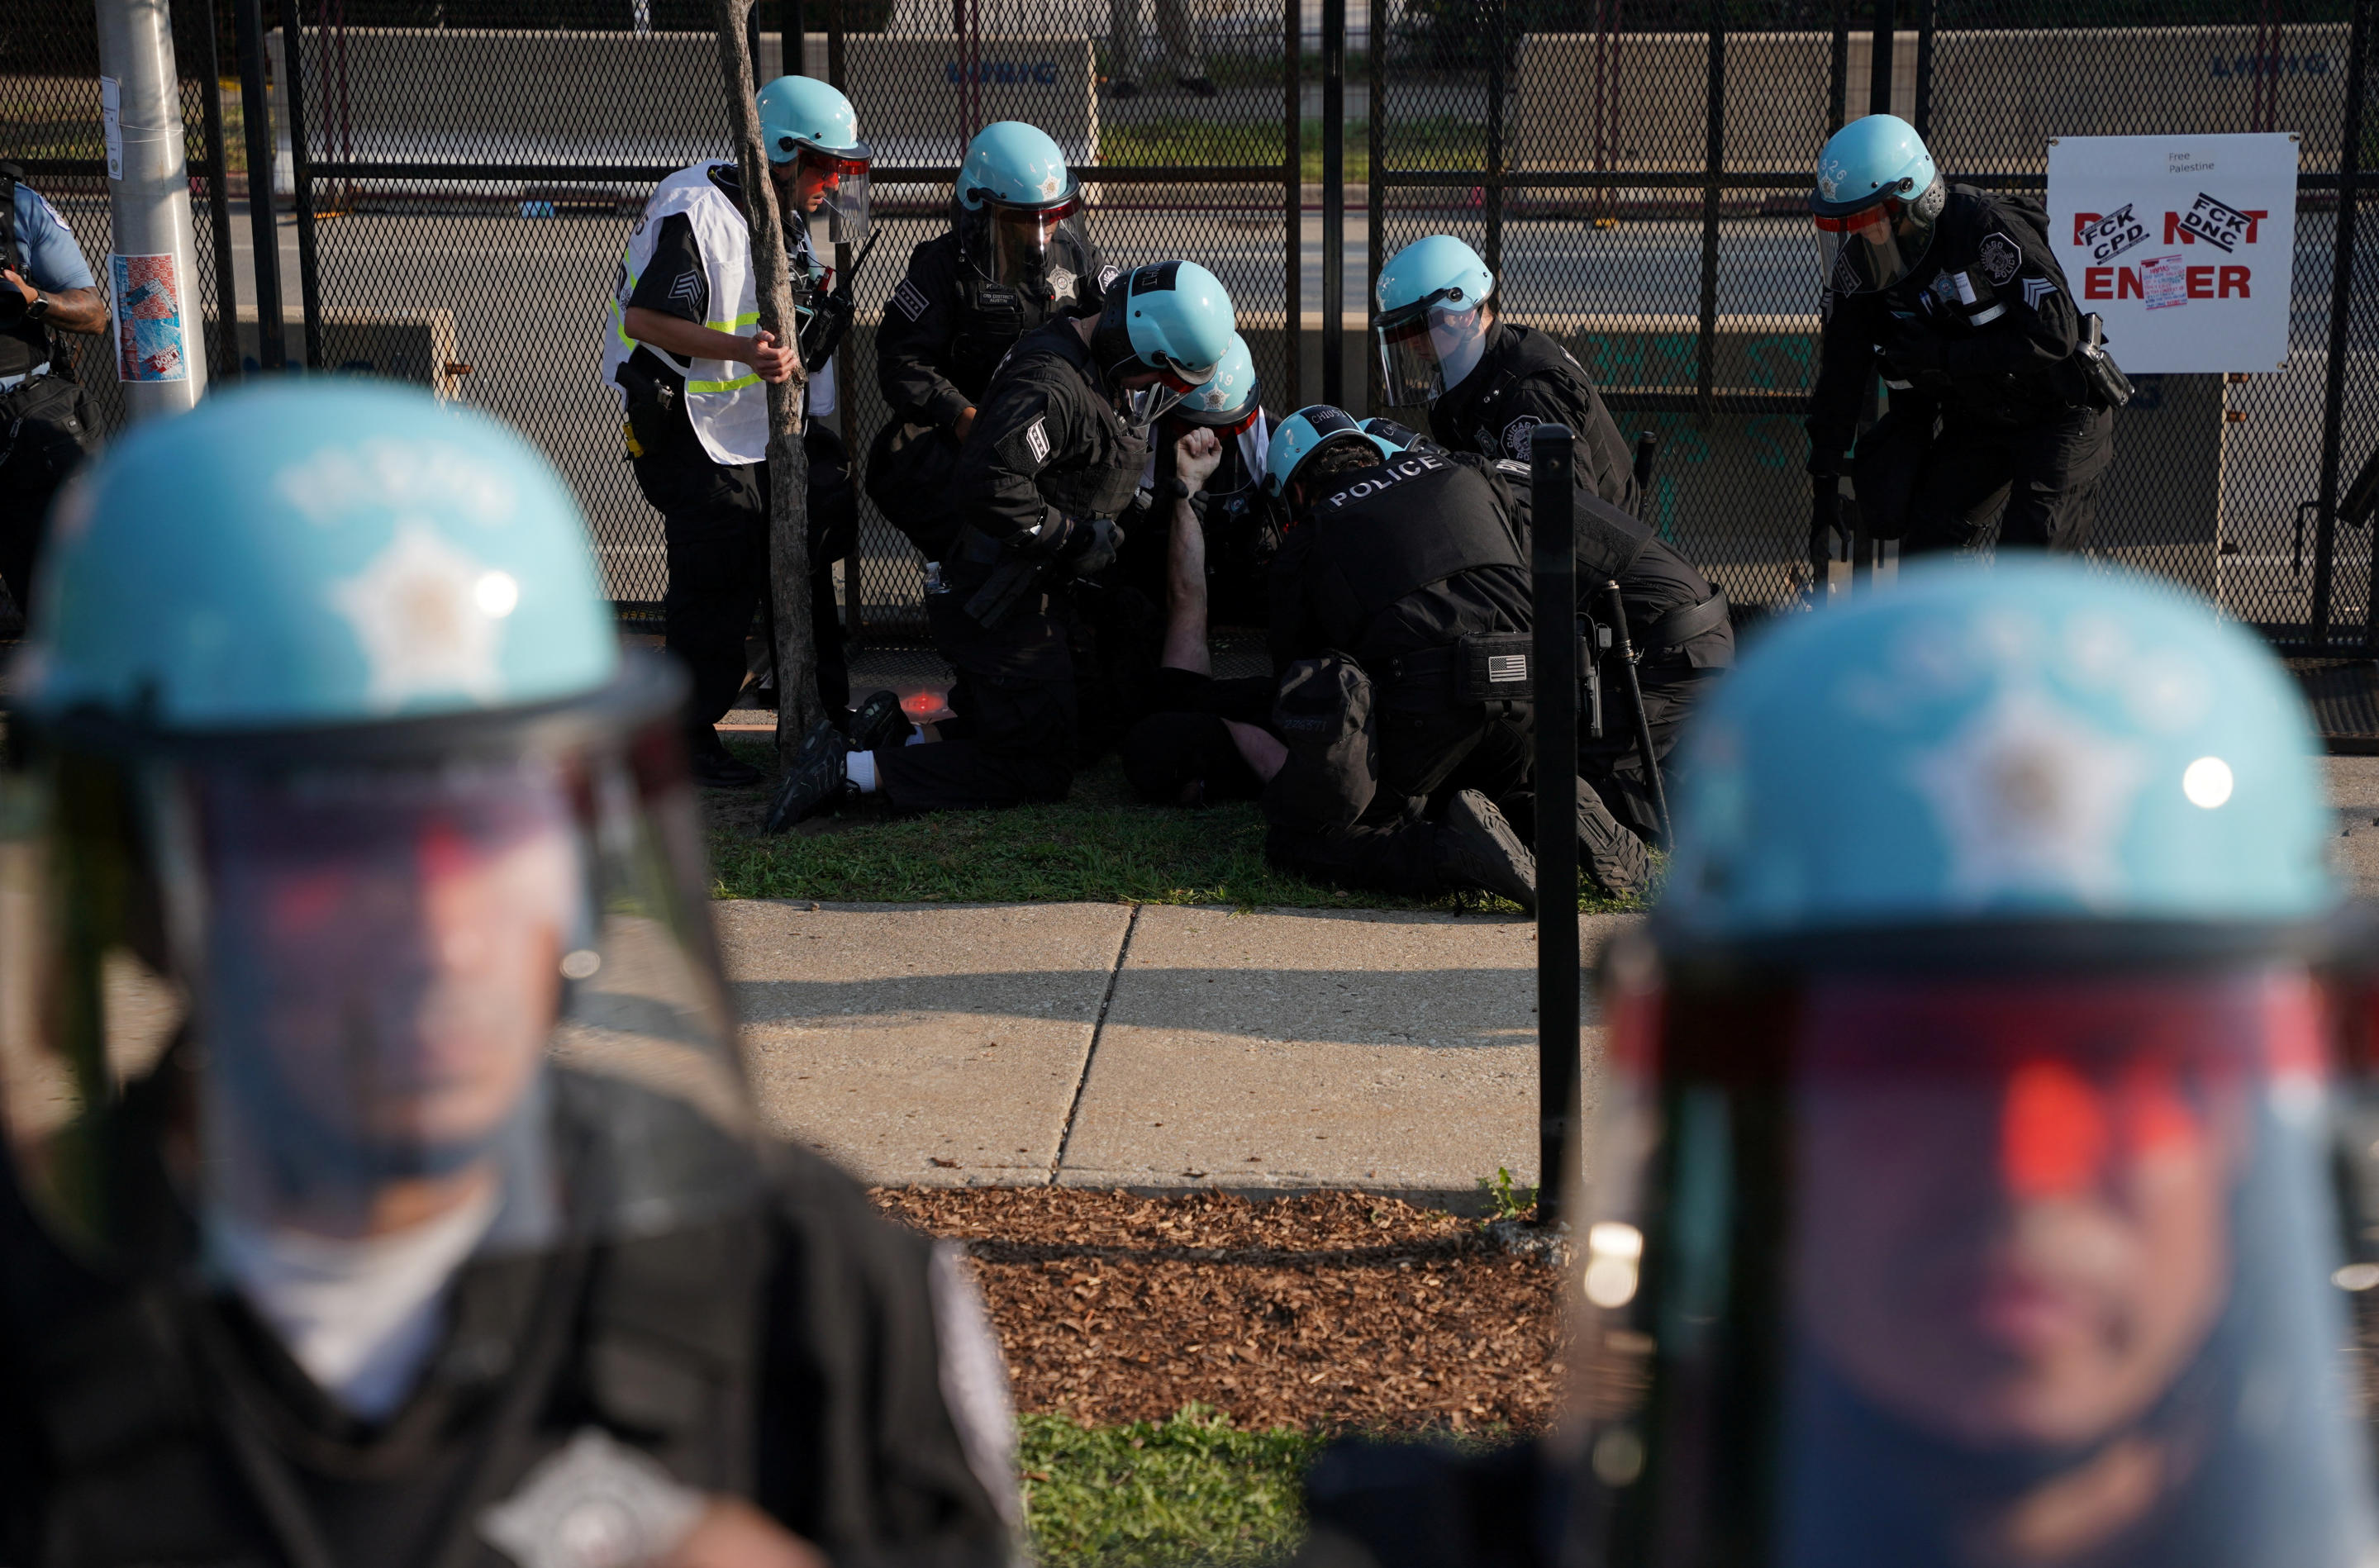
1635	174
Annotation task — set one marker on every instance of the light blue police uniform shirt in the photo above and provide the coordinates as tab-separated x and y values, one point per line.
53	261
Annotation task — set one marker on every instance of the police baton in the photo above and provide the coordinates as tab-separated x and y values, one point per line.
1554	567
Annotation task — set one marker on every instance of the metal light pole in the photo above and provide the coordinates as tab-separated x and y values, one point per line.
152	279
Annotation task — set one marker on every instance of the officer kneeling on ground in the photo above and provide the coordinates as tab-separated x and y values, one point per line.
2001	394
1442	341
1015	257
45	288
1965	1188
1682	638
698	414
383	1185
1400	575
1055	455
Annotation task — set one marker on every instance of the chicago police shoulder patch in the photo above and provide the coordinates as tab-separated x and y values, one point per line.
1036	439
908	299
2000	257
1515	437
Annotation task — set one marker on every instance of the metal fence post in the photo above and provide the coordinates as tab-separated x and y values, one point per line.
301	170
1375	187
1333	201
1554	562
226	363
1878	66
2341	310
1292	197
256	110
1714	170
1498	84
1839	93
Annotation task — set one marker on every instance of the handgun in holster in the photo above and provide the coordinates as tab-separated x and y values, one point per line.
651	404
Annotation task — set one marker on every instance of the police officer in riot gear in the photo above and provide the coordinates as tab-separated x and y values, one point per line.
1056	454
45	288
1016	255
382	1187
1400	600
696	411
1964	1191
2000	393
1679	630
1442	341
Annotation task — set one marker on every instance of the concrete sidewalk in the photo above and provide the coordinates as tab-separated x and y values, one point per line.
1103	1044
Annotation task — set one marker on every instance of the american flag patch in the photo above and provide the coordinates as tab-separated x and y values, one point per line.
1503	668
910	299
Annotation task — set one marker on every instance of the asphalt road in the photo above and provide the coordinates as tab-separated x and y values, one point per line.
528	297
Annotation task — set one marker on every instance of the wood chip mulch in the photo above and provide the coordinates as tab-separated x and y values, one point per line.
1324	1311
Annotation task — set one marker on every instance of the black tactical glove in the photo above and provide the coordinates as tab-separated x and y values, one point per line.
1920	356
1090	547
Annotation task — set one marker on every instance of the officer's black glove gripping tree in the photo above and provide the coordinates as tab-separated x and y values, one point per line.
789	465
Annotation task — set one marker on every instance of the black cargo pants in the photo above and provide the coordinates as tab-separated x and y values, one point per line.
714	522
46	432
1013	735
1935	484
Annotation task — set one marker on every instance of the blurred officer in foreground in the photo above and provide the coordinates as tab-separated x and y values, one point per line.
697	413
2000	392
383	1188
1056	454
1442	341
1963	1193
45	288
1016	255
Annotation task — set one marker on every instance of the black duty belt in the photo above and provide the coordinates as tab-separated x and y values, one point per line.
1683	625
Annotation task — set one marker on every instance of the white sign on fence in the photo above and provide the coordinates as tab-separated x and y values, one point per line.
2185	245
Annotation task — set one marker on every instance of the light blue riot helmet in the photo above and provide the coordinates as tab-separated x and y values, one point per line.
810	122
1307	433
1172	318
1228	400
326	749
1966	1110
1019	210
1877	201
1428	331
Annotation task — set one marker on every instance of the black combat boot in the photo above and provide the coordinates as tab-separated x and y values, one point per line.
818	780
1478	849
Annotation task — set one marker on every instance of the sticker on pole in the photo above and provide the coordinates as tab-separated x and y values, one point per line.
2183	245
148	303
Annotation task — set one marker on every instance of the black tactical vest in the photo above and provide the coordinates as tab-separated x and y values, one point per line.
992	316
27	344
1395	529
1101	481
1607	541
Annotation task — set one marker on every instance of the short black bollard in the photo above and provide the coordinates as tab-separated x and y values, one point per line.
1554	566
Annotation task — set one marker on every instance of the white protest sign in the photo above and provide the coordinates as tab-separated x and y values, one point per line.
2185	245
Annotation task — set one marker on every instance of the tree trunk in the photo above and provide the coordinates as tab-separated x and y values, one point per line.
789	465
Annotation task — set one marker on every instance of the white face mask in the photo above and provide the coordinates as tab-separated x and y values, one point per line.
1460	339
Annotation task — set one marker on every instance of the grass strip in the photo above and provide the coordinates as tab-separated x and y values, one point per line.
1192	1489
1100	845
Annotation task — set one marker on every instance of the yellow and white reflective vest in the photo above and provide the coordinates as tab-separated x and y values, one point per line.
725	400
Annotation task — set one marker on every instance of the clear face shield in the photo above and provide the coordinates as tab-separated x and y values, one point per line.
342	997
1144	406
1977	1270
1026	247
1426	348
834	185
1875	247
